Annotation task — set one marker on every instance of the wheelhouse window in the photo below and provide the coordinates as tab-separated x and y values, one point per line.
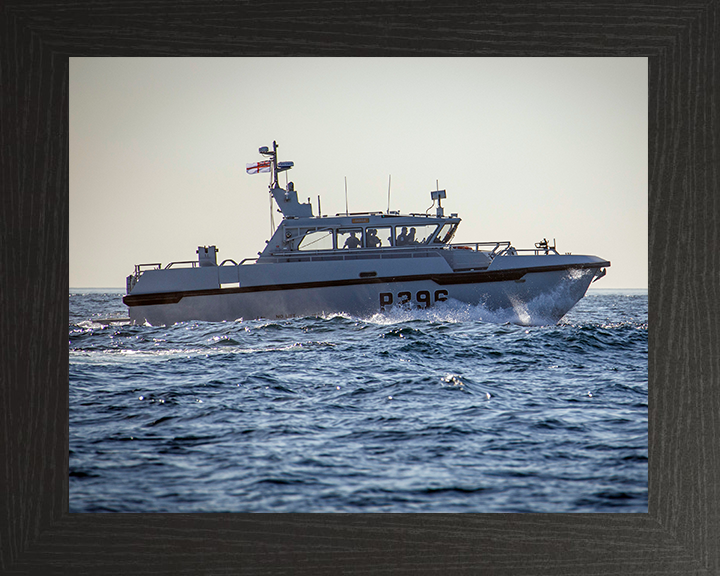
350	238
413	235
317	240
378	237
446	234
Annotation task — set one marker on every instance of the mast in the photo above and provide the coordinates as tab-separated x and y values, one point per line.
275	183
286	198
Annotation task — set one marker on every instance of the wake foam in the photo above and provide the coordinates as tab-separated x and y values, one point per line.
544	309
450	311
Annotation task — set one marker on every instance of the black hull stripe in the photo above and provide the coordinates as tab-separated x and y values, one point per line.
440	279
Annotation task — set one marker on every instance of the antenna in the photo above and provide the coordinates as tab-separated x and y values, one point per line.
319	210
389	181
347	212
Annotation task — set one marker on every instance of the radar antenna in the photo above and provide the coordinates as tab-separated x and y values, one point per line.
438	195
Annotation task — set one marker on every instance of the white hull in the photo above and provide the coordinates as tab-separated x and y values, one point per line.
536	298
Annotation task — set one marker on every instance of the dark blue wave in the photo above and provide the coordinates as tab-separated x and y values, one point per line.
340	414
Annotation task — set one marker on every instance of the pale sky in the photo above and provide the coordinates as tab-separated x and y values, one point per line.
526	148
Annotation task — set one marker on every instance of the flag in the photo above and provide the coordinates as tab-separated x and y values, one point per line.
263	166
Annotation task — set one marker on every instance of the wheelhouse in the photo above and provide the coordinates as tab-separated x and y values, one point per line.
354	235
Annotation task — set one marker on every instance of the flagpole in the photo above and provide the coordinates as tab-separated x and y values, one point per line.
273	177
275	184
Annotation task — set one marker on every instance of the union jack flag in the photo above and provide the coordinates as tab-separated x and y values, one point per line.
263	166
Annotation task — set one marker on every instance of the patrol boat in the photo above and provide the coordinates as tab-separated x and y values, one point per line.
360	264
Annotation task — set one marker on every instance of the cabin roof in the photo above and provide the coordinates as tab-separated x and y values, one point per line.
370	218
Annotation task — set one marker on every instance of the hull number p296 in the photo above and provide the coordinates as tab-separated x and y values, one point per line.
423	298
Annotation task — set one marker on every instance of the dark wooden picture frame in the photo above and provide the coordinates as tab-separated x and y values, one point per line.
681	532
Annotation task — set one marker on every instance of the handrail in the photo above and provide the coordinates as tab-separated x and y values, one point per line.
539	251
506	248
139	270
375	213
498	248
348	251
357	254
193	262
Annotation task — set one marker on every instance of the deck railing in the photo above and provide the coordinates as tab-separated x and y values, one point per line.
492	249
498	248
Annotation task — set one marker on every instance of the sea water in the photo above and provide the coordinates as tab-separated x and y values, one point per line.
452	409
